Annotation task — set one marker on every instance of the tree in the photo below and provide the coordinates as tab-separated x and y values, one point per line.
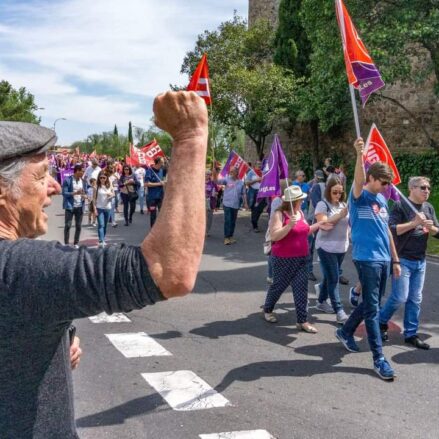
115	131
17	105
249	92
130	133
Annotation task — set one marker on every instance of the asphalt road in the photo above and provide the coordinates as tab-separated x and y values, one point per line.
267	379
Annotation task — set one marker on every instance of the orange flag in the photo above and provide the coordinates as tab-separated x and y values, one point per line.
199	82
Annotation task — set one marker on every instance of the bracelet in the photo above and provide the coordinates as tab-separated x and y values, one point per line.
396	263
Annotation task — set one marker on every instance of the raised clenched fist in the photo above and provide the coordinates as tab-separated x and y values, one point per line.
182	114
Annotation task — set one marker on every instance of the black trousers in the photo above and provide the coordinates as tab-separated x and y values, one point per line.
153	207
128	205
76	212
257	209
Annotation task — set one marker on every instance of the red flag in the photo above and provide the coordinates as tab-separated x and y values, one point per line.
360	68
146	155
128	161
377	151
235	161
200	81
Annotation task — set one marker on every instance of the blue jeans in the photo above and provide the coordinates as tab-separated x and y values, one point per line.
230	216
311	245
270	267
141	194
373	277
329	287
407	289
103	217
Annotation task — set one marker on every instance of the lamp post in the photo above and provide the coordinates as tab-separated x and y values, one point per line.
56	120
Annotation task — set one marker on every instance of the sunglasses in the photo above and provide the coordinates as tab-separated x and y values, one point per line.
102	178
337	192
384	183
424	188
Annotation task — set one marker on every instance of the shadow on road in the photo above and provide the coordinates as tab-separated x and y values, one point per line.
120	413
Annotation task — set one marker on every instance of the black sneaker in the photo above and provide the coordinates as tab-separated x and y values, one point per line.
311	276
384	334
417	342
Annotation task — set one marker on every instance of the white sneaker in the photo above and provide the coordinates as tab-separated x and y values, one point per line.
341	316
269	280
325	307
76	246
317	290
102	244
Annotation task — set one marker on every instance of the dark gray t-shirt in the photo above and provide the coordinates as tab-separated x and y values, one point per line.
43	287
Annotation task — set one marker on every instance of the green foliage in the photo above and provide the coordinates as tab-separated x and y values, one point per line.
292	46
249	91
426	164
17	105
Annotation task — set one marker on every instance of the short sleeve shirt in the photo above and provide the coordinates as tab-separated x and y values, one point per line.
369	222
335	240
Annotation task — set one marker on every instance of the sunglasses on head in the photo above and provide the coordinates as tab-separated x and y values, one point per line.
424	188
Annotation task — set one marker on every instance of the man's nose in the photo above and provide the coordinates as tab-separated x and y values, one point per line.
53	187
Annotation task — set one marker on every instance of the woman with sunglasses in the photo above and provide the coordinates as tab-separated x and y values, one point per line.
103	197
332	246
128	185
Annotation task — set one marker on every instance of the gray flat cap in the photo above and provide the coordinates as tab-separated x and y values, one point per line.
319	173
19	139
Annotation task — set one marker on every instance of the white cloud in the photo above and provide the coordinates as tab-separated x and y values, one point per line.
133	49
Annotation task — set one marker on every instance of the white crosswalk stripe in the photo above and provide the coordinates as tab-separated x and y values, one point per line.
113	318
137	344
248	434
185	391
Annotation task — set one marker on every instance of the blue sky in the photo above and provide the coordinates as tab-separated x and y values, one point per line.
101	62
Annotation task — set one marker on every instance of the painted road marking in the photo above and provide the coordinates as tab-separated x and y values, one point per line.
249	434
113	318
137	344
185	391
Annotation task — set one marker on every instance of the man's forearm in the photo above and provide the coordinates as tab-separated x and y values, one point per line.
174	245
359	176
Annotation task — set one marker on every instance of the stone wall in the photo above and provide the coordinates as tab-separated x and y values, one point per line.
403	131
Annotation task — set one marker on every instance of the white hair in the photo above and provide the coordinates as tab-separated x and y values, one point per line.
10	173
416	181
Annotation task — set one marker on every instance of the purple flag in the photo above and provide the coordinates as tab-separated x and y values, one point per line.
277	170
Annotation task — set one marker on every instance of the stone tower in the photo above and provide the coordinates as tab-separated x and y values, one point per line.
263	9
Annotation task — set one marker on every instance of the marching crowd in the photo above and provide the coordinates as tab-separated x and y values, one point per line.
318	216
323	215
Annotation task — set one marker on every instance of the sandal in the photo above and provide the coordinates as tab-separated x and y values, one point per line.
270	317
306	327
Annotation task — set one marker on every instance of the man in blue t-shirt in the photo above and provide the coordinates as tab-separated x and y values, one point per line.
373	251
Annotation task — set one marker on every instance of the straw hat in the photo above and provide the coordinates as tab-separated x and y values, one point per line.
293	193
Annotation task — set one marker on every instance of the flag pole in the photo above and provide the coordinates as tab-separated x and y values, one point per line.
351	87
355	111
410	204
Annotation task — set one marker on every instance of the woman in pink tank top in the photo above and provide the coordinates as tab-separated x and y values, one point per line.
289	232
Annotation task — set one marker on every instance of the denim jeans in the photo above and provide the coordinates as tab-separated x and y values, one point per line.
373	277
329	287
230	216
141	194
251	197
407	289
311	245
103	217
270	267
113	210
76	212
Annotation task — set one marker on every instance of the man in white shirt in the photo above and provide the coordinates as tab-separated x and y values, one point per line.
140	175
92	171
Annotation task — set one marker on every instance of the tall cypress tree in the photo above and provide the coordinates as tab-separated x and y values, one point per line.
115	131
292	47
130	133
